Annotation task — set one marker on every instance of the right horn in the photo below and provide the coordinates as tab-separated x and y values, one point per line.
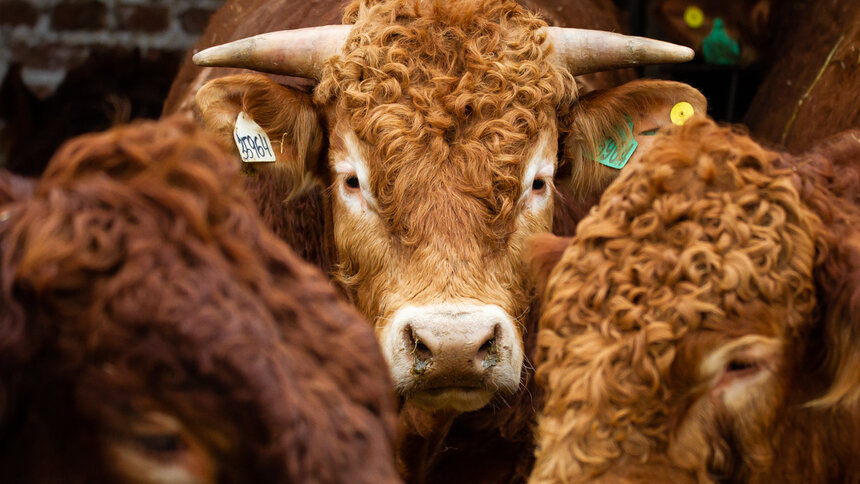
582	51
299	52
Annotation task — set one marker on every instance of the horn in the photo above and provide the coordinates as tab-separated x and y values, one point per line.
299	52
583	51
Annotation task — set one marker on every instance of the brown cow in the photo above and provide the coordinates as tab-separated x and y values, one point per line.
703	324
812	88
434	131
152	330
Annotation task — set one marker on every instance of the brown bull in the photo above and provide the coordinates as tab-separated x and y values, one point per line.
811	89
153	330
434	130
702	326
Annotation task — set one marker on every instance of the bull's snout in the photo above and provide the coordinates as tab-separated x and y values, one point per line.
453	356
460	353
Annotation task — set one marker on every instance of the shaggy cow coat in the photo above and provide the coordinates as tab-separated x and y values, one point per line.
415	172
702	325
811	87
153	330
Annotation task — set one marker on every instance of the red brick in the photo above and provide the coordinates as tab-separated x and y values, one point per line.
17	12
194	20
142	18
79	15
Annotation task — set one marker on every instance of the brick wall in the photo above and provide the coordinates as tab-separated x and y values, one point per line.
69	67
50	37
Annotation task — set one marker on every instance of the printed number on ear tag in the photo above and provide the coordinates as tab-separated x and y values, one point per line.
253	143
609	155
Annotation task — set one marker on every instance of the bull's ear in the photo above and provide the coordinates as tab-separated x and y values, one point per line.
543	253
289	192
286	115
607	130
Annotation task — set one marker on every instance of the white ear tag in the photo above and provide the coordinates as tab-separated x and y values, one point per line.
253	143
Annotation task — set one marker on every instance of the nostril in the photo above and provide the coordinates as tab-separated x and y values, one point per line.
488	353
420	351
485	348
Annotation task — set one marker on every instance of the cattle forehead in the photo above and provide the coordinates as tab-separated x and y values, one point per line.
470	189
457	91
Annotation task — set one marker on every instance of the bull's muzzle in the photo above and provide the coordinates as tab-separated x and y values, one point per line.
453	356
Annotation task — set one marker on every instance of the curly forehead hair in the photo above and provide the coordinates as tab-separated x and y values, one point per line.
465	86
707	230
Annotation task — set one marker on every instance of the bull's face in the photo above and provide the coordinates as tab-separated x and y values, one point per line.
443	146
674	345
430	246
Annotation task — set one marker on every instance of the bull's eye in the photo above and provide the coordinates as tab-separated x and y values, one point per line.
741	366
538	185
160	443
352	182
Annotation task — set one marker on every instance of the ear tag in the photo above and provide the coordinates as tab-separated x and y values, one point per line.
694	17
719	48
609	155
253	143
681	112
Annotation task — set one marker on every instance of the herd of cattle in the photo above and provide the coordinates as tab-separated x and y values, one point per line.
385	301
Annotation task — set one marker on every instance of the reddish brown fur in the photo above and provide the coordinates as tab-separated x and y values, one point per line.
139	278
812	89
445	113
711	248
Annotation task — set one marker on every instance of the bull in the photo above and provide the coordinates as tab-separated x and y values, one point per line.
153	330
811	88
702	324
434	133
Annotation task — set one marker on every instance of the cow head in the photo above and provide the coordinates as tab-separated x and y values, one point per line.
153	330
701	326
443	124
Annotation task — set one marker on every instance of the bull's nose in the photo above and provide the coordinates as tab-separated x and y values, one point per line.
463	353
453	355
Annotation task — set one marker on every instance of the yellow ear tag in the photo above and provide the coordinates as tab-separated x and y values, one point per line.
694	17
681	112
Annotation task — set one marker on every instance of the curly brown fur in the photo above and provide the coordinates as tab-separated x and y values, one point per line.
138	281
703	321
440	110
467	84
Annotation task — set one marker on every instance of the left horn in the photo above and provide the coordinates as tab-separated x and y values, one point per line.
299	52
583	51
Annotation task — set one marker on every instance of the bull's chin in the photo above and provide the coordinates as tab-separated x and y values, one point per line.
448	399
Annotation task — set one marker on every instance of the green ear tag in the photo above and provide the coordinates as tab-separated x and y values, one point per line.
719	48
609	151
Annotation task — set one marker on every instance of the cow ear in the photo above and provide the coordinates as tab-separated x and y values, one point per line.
289	192
605	130
837	266
543	253
286	115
